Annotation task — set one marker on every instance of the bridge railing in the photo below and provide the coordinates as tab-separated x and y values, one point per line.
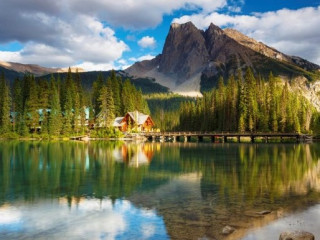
207	133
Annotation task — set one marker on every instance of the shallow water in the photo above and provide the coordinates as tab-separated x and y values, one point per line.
116	190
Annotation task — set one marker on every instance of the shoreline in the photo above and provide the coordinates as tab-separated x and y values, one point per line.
245	138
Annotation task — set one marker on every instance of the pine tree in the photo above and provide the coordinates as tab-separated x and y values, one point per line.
96	92
55	118
127	96
242	108
17	104
76	121
116	90
5	103
31	111
43	96
250	99
283	111
68	115
102	116
110	104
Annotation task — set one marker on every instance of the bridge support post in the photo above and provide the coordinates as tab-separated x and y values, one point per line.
266	139
239	139
252	139
174	138
185	138
153	138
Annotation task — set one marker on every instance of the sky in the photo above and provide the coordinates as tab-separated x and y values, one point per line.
108	34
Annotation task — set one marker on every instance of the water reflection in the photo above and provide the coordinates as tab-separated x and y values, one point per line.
85	218
134	155
196	188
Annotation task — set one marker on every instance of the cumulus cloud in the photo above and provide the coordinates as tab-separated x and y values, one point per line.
83	219
140	14
59	33
142	58
54	36
294	32
147	42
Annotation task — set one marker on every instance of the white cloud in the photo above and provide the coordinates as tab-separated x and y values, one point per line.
89	66
84	219
140	14
147	42
294	32
57	37
61	34
142	58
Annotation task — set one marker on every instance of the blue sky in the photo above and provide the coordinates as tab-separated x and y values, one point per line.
106	34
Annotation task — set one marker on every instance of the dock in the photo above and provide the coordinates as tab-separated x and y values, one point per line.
223	136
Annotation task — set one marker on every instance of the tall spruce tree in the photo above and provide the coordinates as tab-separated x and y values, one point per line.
68	104
17	104
5	103
55	118
31	110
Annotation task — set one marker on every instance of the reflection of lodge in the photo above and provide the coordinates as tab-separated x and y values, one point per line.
135	154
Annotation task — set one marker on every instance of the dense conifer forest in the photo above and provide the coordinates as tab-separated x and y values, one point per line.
63	107
242	103
249	104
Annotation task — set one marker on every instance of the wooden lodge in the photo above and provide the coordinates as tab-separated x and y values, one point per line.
134	120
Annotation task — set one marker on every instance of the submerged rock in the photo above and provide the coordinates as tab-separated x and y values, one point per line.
296	235
228	230
265	212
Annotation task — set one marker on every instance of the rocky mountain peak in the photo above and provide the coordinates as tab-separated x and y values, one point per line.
192	59
184	51
214	30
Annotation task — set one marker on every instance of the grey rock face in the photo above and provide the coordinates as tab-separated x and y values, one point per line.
190	54
184	52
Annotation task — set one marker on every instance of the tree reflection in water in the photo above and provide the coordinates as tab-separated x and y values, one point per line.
208	185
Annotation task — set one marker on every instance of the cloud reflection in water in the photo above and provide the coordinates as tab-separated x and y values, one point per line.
80	219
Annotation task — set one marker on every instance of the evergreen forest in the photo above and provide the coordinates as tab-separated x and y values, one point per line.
249	104
64	107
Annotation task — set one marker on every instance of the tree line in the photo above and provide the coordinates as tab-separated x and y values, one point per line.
248	103
62	106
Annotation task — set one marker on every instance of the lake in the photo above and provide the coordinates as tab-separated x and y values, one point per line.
117	190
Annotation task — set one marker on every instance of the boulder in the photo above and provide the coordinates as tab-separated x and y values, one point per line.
228	230
296	235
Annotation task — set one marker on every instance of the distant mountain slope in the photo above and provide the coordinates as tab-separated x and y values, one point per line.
146	85
32	68
192	60
10	74
87	78
269	51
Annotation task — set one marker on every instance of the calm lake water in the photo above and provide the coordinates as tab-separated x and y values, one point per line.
116	190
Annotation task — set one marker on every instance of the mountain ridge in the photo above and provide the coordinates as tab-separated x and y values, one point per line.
192	60
34	69
269	51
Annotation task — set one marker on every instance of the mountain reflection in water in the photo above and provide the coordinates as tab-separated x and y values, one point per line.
191	190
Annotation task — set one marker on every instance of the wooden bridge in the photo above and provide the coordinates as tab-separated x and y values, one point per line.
223	136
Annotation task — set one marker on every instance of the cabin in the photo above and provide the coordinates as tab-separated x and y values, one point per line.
134	120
